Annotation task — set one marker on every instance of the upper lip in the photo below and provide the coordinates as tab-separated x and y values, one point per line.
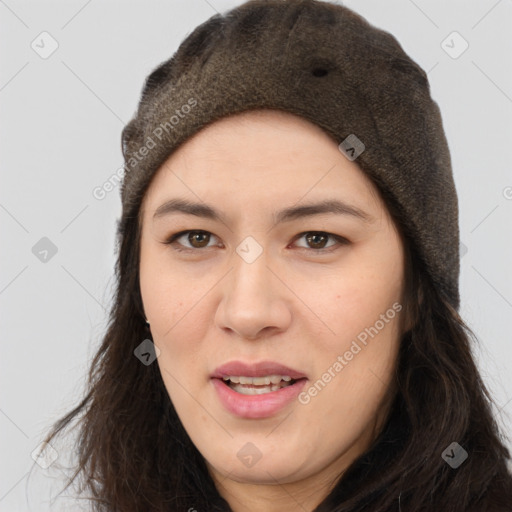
260	369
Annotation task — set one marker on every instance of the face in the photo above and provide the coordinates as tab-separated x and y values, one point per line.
259	280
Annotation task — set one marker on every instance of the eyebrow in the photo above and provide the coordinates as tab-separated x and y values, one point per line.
333	206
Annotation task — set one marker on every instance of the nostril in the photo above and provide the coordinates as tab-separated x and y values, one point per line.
319	71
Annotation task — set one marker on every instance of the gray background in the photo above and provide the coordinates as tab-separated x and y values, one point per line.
61	119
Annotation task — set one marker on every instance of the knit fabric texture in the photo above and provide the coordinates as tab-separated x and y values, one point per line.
326	63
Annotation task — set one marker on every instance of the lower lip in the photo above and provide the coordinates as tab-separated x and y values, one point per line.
257	406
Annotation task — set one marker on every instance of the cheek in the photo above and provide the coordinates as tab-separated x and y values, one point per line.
166	295
356	354
352	378
353	299
178	323
174	302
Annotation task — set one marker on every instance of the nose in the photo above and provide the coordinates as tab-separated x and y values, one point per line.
255	303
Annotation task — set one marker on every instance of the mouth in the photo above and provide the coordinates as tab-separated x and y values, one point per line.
257	390
258	385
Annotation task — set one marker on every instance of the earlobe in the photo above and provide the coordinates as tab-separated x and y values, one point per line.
145	318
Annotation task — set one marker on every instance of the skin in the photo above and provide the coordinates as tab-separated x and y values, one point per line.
293	304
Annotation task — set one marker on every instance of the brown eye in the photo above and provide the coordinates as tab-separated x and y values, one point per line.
190	240
317	240
198	239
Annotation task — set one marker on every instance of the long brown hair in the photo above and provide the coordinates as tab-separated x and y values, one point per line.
134	454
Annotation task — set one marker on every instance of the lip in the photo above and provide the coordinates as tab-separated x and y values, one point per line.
256	406
260	369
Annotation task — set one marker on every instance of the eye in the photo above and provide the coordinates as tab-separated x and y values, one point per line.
317	240
199	239
196	238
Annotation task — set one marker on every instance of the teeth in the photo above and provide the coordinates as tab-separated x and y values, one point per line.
257	381
245	390
257	385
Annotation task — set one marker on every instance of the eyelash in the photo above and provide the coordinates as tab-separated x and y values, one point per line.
172	240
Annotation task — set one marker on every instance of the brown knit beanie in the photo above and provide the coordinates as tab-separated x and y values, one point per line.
323	62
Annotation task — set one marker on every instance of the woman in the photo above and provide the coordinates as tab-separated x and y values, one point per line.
285	333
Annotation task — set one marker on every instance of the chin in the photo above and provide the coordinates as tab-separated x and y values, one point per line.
274	465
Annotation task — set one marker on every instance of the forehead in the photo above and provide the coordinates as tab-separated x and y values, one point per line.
261	154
